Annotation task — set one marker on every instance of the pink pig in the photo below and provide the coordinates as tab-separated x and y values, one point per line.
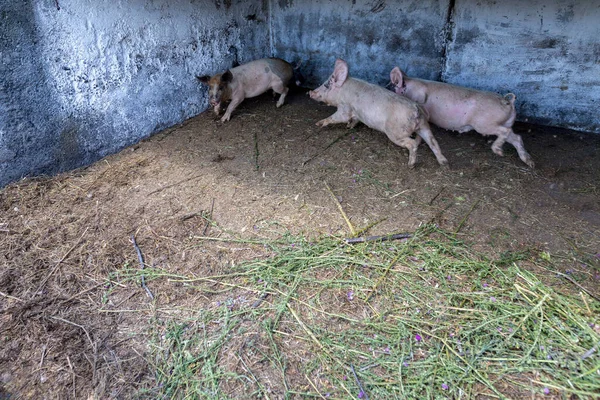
463	109
378	108
248	80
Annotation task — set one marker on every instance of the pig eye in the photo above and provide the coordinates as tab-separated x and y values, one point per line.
327	84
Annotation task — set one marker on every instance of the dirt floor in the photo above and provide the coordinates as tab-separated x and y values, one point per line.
65	329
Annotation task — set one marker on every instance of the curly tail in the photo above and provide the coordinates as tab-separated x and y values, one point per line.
510	97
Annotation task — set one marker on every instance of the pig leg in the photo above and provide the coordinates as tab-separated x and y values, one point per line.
282	90
507	135
418	140
409	144
517	141
498	143
352	123
232	106
340	116
426	134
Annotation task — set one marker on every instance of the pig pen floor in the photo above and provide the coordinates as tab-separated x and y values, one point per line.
264	174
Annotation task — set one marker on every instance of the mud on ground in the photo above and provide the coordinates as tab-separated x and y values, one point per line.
68	326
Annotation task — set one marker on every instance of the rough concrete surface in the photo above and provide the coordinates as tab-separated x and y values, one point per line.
28	116
83	79
372	36
546	52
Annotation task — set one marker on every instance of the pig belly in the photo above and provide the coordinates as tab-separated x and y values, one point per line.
257	87
456	118
482	113
373	117
378	109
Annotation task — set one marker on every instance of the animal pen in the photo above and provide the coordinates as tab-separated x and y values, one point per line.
149	250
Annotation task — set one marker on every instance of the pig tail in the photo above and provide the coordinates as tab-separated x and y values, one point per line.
510	97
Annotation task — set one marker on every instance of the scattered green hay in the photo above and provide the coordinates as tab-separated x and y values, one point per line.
366	176
425	318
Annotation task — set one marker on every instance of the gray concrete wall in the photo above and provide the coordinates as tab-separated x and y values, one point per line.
372	36
546	52
80	79
27	116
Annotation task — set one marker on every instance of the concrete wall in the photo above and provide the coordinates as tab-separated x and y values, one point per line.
80	79
546	52
372	36
27	117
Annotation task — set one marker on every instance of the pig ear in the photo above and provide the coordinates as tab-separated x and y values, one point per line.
340	72
203	79
227	76
396	76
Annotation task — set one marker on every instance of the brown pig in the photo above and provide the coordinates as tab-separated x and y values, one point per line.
462	109
378	108
248	80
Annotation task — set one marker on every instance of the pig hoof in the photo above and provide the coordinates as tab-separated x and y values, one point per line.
530	163
498	151
225	118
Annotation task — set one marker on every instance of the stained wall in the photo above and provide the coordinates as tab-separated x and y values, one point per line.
80	79
546	52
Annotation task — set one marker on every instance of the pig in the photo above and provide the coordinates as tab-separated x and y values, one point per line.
378	108
248	80
462	109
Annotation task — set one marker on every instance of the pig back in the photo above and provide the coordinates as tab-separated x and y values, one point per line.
459	108
256	77
280	68
380	108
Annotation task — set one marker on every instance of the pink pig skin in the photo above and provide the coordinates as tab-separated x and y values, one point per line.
378	108
462	109
248	80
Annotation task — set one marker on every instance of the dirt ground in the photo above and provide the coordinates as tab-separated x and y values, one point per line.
65	329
